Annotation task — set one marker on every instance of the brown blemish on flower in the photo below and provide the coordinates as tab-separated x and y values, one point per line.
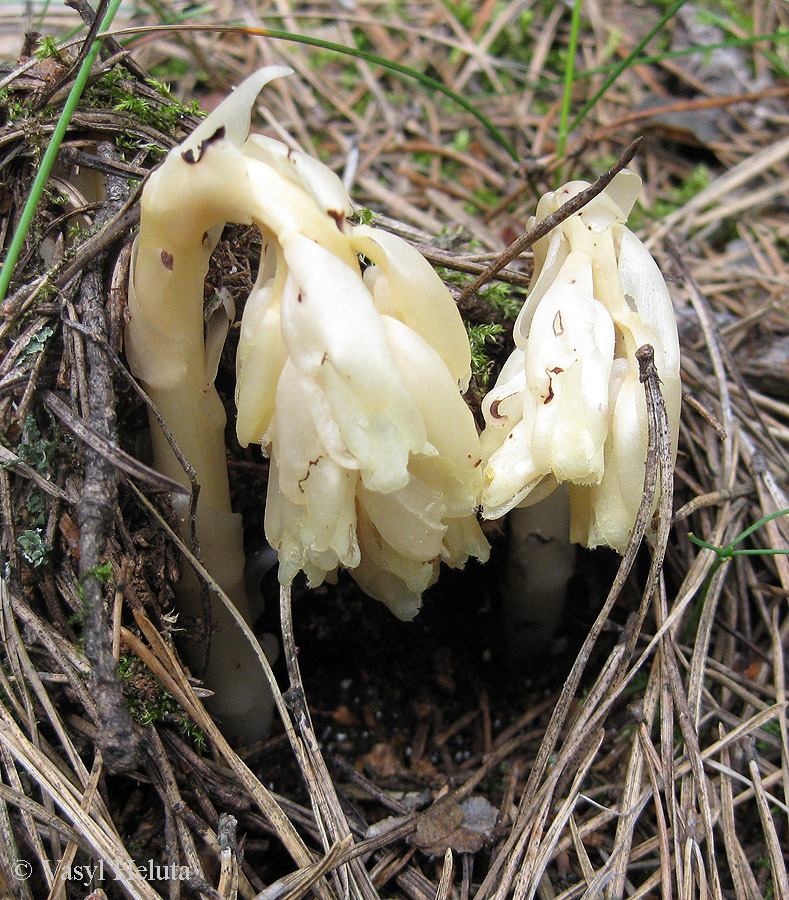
300	297
188	156
478	463
324	358
494	410
167	260
310	464
558	327
556	370
339	217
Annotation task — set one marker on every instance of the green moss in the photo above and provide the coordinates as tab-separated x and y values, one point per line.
481	363
149	702
506	299
47	48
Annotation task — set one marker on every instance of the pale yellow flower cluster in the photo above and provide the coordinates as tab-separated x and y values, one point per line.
568	405
351	361
352	381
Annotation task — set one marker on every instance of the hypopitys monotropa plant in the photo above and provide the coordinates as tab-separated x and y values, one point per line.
348	376
568	405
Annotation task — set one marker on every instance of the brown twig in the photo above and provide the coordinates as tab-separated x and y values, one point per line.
540	229
117	738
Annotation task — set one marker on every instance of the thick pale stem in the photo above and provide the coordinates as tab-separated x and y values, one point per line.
540	563
201	185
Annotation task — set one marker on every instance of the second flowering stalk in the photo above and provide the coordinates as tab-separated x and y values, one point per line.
568	405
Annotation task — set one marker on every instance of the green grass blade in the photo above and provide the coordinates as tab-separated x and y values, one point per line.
729	43
751	528
569	79
343	50
626	63
424	80
50	156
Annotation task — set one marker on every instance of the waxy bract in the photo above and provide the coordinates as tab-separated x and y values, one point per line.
568	405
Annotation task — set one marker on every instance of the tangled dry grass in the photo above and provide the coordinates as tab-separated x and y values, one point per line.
660	766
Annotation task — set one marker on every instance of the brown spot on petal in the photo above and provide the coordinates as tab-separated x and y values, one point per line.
339	217
494	410
556	370
558	327
167	260
478	463
310	464
188	156
300	297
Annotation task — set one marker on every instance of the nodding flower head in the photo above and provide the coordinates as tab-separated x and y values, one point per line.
351	360
568	405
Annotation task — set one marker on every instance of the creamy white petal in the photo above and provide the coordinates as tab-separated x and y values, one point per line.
335	335
284	207
408	288
389	577
606	514
463	539
502	406
624	190
309	478
550	253
449	422
408	520
323	185
568	366
648	297
260	358
510	473
234	113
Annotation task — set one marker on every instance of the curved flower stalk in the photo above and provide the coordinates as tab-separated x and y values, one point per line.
568	405
349	379
202	184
